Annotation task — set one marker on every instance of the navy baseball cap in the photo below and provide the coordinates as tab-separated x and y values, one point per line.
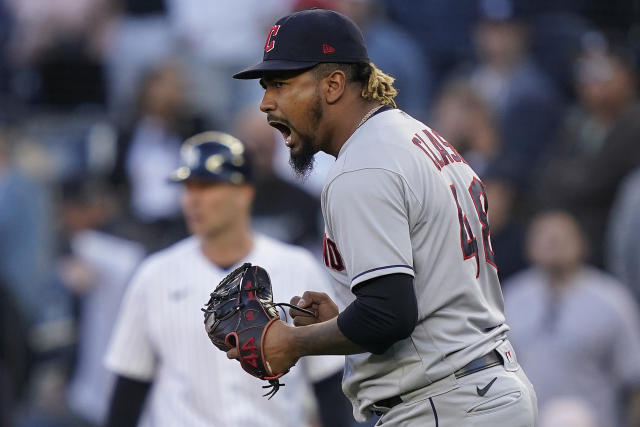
307	38
213	156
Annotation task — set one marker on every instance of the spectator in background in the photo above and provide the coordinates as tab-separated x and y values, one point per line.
41	315
623	234
96	270
465	120
41	25
5	31
556	31
598	143
25	236
148	150
281	209
391	48
441	29
217	39
56	49
140	37
521	97
576	329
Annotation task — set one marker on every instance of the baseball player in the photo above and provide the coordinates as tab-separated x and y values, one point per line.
160	338
407	242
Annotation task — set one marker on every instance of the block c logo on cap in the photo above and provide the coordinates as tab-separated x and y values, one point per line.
271	43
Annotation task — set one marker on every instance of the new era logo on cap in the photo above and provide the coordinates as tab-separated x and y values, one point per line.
326	48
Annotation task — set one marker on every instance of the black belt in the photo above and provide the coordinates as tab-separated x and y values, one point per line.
487	361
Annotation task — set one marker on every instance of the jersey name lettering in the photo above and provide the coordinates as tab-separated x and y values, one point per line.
444	153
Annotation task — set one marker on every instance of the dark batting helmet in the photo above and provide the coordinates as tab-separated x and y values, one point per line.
214	156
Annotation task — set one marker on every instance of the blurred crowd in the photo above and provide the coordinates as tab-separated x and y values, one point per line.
96	96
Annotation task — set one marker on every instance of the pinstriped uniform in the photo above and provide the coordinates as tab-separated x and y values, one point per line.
160	337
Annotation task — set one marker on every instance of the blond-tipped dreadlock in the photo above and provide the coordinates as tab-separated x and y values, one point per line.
380	87
376	85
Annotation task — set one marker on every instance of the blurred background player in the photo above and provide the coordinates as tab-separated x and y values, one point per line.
521	97
160	336
574	327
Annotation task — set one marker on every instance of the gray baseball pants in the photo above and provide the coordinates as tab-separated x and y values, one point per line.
488	398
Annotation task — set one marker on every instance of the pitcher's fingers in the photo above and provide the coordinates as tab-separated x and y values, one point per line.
297	313
295	300
233	354
311	297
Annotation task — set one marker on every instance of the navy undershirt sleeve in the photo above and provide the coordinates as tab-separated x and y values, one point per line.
127	402
334	409
385	311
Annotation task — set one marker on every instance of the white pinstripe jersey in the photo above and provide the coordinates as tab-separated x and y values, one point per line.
160	336
399	199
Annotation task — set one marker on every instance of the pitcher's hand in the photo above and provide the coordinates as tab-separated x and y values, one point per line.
318	302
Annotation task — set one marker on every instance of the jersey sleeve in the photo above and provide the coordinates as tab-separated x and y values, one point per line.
130	351
367	218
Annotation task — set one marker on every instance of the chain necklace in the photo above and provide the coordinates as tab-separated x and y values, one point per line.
369	114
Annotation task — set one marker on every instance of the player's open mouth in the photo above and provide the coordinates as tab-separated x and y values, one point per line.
284	130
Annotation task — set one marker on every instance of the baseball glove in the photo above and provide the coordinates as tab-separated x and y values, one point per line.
238	314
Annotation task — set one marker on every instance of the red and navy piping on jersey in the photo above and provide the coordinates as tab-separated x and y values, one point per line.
331	255
382	268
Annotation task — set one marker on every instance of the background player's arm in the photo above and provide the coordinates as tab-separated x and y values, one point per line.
127	401
334	409
131	355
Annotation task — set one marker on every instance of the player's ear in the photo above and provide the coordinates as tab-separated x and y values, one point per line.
334	86
248	194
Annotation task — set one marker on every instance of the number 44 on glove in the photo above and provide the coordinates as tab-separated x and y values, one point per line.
238	314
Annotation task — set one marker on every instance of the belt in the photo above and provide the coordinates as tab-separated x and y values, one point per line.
487	361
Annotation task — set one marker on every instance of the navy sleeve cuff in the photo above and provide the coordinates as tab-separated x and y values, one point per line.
385	311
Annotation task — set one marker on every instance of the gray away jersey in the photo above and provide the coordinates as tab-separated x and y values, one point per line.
399	199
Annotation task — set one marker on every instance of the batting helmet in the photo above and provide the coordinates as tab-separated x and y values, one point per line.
214	156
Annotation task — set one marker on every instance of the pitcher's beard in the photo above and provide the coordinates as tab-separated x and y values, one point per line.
302	160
